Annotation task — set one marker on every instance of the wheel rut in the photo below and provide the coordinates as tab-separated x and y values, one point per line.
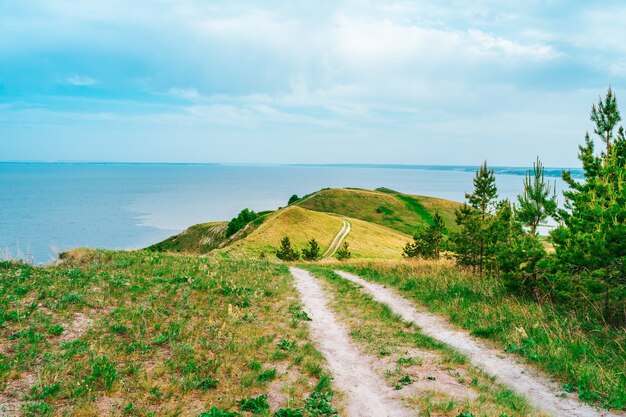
541	392
366	393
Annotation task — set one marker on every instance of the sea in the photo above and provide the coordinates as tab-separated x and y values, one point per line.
48	208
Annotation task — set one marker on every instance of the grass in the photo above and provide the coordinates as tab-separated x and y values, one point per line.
146	334
388	208
587	357
366	240
382	334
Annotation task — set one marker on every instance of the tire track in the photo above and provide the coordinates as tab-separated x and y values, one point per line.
540	391
338	240
366	393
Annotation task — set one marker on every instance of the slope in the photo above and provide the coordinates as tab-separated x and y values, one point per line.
401	212
367	240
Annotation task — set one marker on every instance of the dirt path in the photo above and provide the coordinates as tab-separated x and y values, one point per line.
366	393
338	240
539	390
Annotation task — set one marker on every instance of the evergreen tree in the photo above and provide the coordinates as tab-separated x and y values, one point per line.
538	202
427	242
516	255
472	239
591	243
312	253
286	252
606	117
467	239
485	192
344	251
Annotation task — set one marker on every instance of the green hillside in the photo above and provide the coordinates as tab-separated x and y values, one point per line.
402	212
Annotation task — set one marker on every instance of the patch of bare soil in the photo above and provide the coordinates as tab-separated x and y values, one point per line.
76	328
429	374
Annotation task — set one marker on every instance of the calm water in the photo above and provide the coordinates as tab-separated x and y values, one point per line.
46	208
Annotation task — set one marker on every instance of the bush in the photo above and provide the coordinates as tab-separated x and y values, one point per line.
344	251
243	218
427	243
294	198
286	252
312	253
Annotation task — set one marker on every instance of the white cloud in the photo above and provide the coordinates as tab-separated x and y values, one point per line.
80	80
185	93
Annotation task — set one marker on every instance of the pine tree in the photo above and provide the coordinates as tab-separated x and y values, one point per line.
485	192
472	239
538	202
606	117
343	252
286	252
312	253
591	243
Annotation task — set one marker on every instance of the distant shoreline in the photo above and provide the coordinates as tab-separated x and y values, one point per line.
552	172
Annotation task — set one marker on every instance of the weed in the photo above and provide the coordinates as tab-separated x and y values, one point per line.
254	405
286	345
216	412
289	412
267	375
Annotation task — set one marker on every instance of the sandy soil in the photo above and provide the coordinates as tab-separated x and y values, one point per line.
540	391
366	393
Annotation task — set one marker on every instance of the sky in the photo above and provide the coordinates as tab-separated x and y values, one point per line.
402	82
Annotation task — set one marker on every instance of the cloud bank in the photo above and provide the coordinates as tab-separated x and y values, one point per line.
363	82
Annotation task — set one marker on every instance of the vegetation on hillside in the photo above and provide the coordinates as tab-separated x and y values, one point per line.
244	217
404	213
146	334
198	239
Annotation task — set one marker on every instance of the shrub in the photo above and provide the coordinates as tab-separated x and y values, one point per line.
294	198
286	252
243	218
312	253
344	251
427	243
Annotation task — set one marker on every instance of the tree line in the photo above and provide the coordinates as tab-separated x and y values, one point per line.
582	262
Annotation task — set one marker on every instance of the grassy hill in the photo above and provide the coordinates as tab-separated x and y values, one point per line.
401	212
382	222
366	240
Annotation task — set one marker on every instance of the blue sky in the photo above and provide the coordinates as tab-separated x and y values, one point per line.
415	82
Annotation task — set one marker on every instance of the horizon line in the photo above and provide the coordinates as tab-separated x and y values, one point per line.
336	165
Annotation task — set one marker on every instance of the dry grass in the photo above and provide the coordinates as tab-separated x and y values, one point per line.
366	240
